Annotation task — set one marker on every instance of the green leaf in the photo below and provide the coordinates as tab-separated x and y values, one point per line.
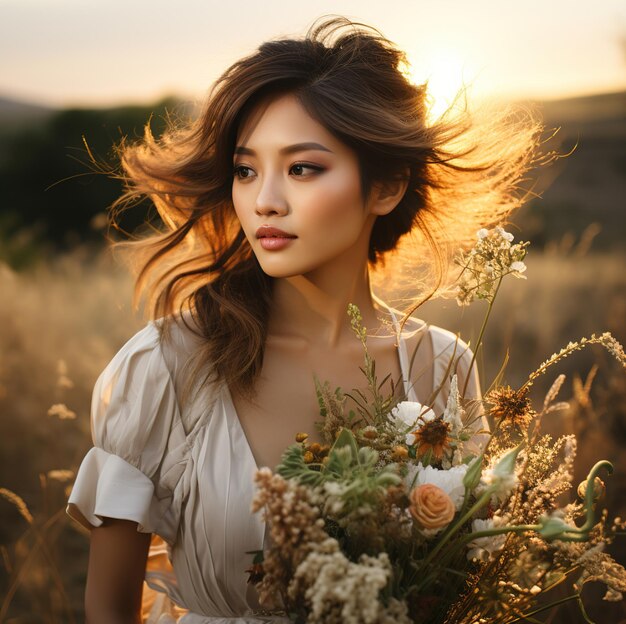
505	467
346	438
472	476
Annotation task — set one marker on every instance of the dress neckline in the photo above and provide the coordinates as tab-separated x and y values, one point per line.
403	359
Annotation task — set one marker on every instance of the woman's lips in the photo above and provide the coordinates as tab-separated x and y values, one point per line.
274	243
273	238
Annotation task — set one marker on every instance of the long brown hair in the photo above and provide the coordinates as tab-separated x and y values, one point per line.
463	174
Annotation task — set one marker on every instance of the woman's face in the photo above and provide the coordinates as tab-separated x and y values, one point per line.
290	173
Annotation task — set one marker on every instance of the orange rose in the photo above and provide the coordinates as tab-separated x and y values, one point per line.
431	507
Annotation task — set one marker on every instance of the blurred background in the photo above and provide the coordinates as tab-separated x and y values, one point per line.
76	74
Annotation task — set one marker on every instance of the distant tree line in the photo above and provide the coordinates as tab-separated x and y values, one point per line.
53	197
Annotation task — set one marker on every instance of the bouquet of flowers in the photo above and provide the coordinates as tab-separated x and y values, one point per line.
402	516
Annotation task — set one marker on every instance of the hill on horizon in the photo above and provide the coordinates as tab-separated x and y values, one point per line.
51	198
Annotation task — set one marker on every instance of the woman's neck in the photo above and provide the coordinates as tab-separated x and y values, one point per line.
313	307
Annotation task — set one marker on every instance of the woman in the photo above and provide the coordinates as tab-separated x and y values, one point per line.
312	162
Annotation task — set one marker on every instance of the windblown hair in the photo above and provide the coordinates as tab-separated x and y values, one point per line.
463	174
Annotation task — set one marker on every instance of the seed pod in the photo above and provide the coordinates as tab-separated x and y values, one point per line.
315	448
399	453
599	489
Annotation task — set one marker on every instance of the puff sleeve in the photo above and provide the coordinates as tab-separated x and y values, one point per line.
137	436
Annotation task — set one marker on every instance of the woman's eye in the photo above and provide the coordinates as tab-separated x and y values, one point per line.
299	170
242	172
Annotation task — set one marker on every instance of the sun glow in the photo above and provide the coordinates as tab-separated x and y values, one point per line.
447	73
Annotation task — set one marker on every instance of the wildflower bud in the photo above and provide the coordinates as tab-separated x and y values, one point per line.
325	460
553	526
395	493
599	489
308	457
315	448
324	450
399	453
301	437
370	433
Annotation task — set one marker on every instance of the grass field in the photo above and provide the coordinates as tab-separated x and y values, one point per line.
62	322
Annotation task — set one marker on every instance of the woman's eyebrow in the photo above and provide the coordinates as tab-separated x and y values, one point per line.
290	149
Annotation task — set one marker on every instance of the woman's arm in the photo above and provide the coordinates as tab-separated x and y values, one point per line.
117	563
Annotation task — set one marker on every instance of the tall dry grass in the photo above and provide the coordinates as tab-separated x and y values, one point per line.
62	322
59	325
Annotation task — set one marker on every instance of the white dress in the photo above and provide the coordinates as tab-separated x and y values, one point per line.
186	475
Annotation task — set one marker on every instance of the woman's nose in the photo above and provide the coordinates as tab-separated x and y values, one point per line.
270	199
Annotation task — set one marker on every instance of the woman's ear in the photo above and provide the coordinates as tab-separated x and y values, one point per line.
385	196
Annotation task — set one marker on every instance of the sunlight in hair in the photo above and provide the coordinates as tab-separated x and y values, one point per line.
447	73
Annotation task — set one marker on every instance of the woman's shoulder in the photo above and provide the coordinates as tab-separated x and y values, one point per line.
150	366
162	339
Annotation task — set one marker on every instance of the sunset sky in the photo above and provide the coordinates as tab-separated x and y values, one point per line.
90	52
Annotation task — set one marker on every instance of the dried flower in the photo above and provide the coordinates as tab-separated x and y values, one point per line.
301	437
61	411
487	262
431	507
613	595
510	407
295	527
433	436
340	591
606	340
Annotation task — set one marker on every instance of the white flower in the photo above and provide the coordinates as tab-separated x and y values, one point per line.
517	269
500	476
504	234
410	414
482	233
450	481
481	548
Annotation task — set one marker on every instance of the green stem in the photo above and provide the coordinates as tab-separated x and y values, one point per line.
583	611
480	336
520	528
556	603
458	525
